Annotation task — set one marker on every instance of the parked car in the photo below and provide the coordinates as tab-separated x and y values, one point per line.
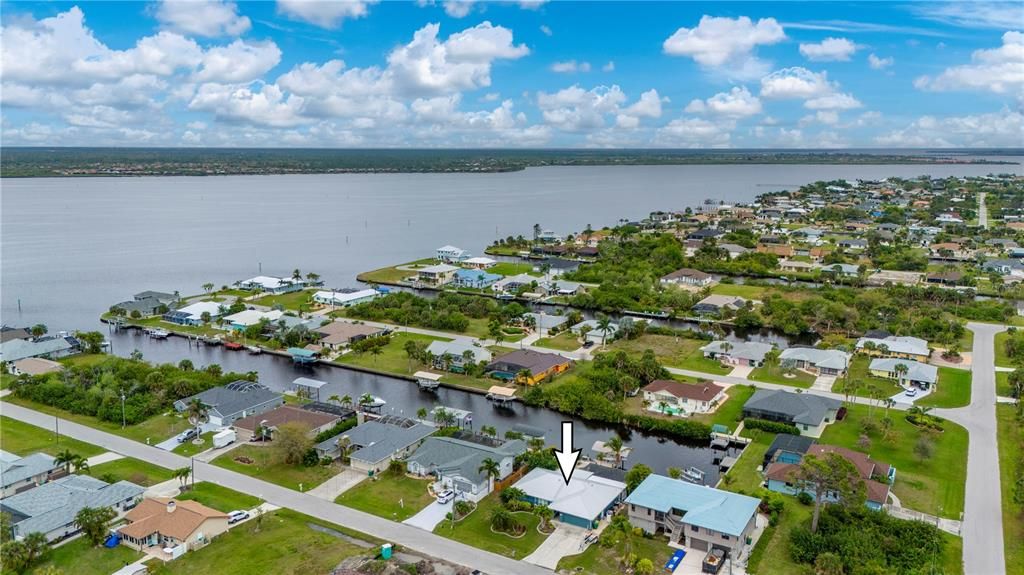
911	392
445	496
236	516
187	435
588	344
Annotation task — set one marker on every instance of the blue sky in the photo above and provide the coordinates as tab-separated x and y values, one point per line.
531	74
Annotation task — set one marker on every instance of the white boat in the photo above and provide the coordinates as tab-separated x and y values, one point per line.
254	349
158	333
693	475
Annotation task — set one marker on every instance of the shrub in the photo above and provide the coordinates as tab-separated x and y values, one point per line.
805	498
770	426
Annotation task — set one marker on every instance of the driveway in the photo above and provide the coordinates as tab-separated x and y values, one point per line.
908	400
565	540
340	483
430	516
823	383
168	444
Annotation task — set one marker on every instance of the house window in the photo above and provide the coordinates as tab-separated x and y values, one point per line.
725	537
694	528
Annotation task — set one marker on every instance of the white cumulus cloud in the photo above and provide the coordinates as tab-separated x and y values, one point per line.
998	70
202	17
878	63
570	66
726	45
736	103
324	13
829	50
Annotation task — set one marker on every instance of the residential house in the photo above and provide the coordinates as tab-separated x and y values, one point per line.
796	266
163	297
695	516
475	278
243	319
1011	269
715	303
949	219
950	251
561	288
735	250
916	373
877	477
455	463
227	403
345	298
35	366
816	361
750	353
787	448
19	474
543	323
677	398
840	270
7	333
452	254
51	508
437	275
905	347
513	284
268	422
193	314
50	347
180	526
884	277
273	285
780	250
451	355
704	234
808	412
479	262
687	276
548	237
582	502
338	334
539	365
945	278
375	443
145	307
594	331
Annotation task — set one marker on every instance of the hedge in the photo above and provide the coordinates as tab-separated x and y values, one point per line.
770	426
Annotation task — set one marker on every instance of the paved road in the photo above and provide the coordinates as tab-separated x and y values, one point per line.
982	211
983	513
405	535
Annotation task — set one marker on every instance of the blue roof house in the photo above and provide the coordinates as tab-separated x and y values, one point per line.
478	279
701	518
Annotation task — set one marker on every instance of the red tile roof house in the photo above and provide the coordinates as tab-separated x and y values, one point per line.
677	398
877	476
273	419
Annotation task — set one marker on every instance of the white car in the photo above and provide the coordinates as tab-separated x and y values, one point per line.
236	516
445	496
911	392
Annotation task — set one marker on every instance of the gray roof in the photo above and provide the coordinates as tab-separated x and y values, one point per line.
547	321
15	349
376	441
453	456
55	504
144	305
16	469
916	371
754	350
805	408
224	401
828	358
457	347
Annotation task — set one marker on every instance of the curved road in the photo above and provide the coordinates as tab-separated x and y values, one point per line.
405	535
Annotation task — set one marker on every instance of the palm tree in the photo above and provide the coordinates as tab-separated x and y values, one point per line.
535	444
604	323
365	400
511	494
662	406
421	413
197	412
208	287
488	430
412	350
545	513
67	458
346	400
334	399
81	465
296	274
900	370
675	472
467	358
181	474
491	469
616	446
375	351
523	376
35	544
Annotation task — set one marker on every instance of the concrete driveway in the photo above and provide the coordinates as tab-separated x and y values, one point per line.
908	400
340	483
430	516
564	540
168	444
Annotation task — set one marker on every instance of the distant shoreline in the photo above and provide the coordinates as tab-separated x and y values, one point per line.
143	162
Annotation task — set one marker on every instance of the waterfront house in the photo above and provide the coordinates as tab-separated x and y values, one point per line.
883	277
787	448
35	366
451	355
735	250
816	361
750	353
795	266
582	502
338	334
945	278
548	237
145	307
840	270
782	251
1011	269
243	319
906	347
374	444
677	398
7	333
268	422
455	463
227	403
704	234
561	287
451	254
876	477
192	315
544	323
437	275
50	347
51	508
539	365
479	262
594	331
716	304
179	526
916	373
512	284
345	298
475	278
273	285
695	516
19	474
687	276
808	412
852	244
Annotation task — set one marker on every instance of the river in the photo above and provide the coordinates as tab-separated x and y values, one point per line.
71	247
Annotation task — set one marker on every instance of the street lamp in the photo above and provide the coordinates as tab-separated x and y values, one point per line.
123	419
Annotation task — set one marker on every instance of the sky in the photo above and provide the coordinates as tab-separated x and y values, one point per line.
527	73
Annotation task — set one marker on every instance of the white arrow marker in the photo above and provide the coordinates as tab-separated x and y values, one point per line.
567	457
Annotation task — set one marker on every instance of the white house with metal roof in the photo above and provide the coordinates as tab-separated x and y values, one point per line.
451	355
345	298
582	502
816	361
906	347
452	254
750	353
456	463
19	474
51	508
916	373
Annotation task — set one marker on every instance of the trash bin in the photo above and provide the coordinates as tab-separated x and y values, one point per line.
385	551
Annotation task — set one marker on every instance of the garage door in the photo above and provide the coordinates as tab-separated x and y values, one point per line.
698	544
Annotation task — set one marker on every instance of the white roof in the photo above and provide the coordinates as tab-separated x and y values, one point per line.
438	269
828	358
586	495
450	248
427	375
481	260
268	282
253	316
898	344
197	309
916	371
342	297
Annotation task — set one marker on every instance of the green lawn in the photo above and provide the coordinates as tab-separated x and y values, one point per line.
926	485
461	380
564	341
729	413
188	449
672	351
511	269
219	498
264	467
775	375
740	290
771	554
84	359
861	379
289	301
1011	452
128	469
285	544
1002	360
597	560
475	530
392	358
382	497
954	389
80	558
745	477
22	439
1003	383
392	274
153	430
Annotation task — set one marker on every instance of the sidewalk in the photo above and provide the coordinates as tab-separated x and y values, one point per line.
330	490
103	458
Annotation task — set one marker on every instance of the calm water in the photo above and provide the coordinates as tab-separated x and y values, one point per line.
69	248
